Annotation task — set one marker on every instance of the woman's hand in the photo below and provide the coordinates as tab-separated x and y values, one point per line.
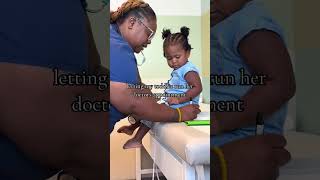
189	112
257	157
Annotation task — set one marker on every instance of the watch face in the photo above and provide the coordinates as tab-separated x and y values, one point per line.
131	120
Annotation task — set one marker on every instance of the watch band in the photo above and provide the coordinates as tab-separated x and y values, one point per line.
132	120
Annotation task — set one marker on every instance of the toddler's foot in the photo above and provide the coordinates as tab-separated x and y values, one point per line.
126	129
132	143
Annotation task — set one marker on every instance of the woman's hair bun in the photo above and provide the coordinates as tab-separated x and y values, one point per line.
165	33
185	31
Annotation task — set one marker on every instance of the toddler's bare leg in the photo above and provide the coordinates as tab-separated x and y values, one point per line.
129	129
136	141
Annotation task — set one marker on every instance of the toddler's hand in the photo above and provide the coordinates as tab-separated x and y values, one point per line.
173	100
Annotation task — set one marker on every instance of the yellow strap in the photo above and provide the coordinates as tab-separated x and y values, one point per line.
223	163
179	112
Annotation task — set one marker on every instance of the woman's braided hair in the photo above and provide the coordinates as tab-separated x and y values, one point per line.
132	7
176	38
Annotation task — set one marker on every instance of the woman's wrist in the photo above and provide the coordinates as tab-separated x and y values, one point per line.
175	116
179	114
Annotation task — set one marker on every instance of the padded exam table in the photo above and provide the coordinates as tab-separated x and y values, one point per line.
180	152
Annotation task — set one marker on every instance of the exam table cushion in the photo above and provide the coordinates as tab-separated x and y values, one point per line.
191	143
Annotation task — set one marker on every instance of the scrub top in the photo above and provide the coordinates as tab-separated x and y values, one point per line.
225	59
41	33
123	68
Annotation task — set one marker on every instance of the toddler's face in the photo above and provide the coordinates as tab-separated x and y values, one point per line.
176	56
221	9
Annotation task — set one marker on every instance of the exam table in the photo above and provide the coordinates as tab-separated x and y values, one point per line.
180	152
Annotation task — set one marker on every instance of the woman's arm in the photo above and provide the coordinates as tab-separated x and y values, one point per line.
265	53
129	101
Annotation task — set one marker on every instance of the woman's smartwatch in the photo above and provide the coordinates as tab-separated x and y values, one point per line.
132	120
